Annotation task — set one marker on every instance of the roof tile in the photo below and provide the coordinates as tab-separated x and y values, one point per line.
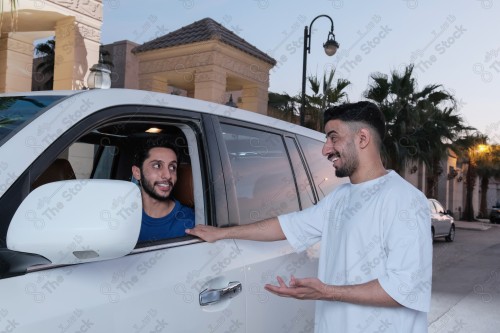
203	30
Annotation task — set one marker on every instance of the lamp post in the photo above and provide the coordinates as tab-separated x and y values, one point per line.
330	46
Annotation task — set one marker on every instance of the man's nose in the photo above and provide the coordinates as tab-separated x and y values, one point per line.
166	173
327	149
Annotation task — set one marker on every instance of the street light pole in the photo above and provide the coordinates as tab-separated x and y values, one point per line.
330	46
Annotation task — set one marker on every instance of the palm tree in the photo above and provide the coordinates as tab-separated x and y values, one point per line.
441	129
325	95
488	165
420	123
467	148
283	106
394	94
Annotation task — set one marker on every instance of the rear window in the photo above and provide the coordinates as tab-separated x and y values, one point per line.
17	111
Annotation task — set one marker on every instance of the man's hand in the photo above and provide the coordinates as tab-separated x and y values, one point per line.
308	288
368	293
206	232
266	230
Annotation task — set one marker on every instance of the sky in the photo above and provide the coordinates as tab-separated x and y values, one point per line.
454	43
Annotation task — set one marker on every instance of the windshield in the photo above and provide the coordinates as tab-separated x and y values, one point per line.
18	110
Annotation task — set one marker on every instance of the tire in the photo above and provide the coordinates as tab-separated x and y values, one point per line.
451	235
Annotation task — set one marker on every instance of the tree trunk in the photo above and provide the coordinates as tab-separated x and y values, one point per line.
483	208
470	182
430	186
433	180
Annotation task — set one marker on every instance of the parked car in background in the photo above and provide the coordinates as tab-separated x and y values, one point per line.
443	224
70	215
495	214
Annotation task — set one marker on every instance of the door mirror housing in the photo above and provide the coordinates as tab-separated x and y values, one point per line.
77	221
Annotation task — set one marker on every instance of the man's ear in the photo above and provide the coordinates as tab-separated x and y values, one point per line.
364	136
136	172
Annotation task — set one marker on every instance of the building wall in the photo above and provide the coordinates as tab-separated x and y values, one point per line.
124	73
77	28
493	194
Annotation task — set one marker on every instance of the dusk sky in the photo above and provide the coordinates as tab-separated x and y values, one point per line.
452	43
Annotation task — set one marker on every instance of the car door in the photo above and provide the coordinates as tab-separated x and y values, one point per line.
154	291
444	219
261	183
436	219
157	287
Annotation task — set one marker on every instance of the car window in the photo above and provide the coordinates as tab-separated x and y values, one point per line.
439	208
17	111
264	181
105	157
322	170
432	207
106	152
304	186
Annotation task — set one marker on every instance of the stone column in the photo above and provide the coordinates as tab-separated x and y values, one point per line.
254	97
210	84
77	50
154	83
16	62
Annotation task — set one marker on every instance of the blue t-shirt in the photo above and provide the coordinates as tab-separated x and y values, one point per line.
172	225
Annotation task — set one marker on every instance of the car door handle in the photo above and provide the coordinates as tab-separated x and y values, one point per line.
209	296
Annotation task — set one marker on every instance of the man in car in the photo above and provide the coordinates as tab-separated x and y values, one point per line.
375	266
155	169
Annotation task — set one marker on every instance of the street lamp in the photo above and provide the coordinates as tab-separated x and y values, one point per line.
330	46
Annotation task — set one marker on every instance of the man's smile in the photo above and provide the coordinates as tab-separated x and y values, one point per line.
164	186
333	157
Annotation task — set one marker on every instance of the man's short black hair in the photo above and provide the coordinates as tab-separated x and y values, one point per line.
364	112
143	148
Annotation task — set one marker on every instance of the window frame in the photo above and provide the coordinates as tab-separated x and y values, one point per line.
306	170
13	197
230	187
433	208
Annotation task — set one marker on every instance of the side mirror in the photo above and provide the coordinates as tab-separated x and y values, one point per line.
448	212
78	221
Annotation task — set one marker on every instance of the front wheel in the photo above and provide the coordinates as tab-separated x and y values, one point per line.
451	235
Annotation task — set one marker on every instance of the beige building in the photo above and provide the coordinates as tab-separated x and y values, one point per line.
125	70
204	60
76	26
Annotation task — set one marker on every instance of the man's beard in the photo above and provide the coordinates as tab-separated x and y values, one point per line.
350	161
149	188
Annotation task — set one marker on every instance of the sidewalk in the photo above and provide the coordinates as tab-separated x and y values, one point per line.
480	224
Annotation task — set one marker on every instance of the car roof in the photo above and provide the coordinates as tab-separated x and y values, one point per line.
118	96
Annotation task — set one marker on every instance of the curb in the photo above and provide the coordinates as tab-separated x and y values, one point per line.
480	226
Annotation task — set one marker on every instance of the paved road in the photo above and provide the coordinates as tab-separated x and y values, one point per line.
466	283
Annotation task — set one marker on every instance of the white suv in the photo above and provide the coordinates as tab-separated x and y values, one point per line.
71	215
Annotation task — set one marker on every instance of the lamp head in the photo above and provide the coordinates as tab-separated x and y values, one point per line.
100	76
331	46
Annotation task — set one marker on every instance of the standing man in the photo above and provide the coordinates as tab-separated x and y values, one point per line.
375	267
155	169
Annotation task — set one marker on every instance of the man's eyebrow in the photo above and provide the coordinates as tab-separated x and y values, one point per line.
332	131
162	161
